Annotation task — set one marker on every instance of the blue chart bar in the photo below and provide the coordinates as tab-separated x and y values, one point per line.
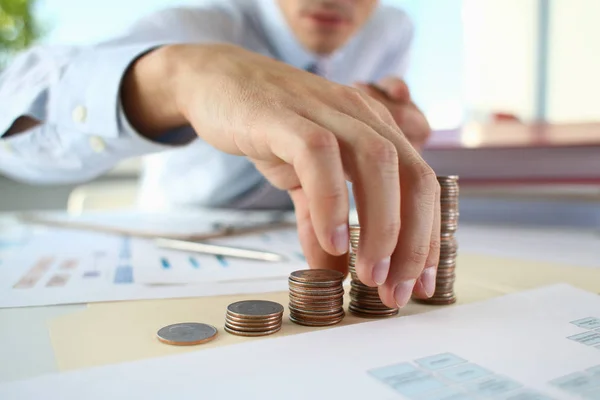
222	261
165	263
194	262
126	248
124	274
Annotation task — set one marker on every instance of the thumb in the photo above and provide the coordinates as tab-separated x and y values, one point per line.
395	88
315	256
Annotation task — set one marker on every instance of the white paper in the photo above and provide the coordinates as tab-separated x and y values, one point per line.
529	345
61	266
25	336
162	266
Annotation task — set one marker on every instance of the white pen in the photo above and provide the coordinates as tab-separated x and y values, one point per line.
218	250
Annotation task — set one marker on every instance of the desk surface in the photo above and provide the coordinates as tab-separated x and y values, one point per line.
40	340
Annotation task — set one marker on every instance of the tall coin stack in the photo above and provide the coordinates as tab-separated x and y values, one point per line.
364	300
253	318
316	297
446	275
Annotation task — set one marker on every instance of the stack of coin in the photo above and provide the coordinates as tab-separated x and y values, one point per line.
253	318
364	300
444	288
316	297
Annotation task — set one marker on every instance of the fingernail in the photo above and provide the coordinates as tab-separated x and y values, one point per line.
380	271
428	280
403	292
341	239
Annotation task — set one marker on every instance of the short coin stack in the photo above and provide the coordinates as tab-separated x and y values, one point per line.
444	288
364	300
316	297
253	318
187	334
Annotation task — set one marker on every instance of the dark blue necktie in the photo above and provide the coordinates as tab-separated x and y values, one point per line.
314	68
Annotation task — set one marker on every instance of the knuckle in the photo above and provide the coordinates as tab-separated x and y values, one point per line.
425	179
382	111
335	194
353	96
424	172
381	151
435	246
425	205
391	230
419	254
319	139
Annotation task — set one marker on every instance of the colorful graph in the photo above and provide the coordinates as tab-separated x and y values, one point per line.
124	274
222	261
69	264
35	274
94	270
58	280
167	263
125	248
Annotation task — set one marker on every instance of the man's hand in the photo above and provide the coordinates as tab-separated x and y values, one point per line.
395	95
307	136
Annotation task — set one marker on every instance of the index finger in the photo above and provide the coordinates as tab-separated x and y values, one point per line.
315	256
371	161
418	212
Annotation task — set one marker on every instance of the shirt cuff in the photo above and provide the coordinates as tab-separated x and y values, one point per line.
175	137
89	91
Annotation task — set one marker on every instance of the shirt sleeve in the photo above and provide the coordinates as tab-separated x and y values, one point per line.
75	94
400	38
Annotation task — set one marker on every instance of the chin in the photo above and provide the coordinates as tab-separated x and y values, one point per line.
324	44
323	49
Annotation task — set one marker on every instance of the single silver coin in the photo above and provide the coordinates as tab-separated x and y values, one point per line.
187	334
255	308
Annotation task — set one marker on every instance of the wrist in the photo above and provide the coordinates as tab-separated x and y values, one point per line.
148	97
191	67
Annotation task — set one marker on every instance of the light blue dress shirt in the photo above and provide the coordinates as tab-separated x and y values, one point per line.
74	91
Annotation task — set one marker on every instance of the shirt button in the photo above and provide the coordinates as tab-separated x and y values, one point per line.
79	114
97	144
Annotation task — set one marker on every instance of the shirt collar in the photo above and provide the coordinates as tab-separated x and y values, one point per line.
282	38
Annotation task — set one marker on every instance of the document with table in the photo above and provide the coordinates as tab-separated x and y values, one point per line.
538	344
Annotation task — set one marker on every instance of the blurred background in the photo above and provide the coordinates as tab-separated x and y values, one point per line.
510	87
